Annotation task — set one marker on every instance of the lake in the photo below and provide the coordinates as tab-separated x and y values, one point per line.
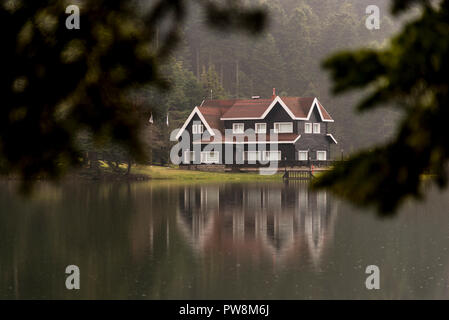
165	240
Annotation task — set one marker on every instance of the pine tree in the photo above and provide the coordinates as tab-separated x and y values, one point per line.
210	82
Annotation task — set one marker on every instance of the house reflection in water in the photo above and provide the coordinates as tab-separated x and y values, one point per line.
284	221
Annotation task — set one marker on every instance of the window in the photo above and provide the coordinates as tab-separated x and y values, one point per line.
197	129
321	155
261	128
283	127
252	156
272	156
308	127
303	155
189	156
316	128
210	157
238	128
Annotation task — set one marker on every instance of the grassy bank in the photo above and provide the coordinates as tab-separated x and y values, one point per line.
164	173
104	172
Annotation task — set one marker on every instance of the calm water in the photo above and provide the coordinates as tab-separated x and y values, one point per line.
256	241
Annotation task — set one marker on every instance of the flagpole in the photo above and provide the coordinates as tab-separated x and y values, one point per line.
168	138
151	145
151	139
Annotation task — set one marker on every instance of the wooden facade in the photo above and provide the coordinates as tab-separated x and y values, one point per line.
296	147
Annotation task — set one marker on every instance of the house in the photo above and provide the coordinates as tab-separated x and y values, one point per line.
293	130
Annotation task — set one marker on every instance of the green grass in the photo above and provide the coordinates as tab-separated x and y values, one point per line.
164	173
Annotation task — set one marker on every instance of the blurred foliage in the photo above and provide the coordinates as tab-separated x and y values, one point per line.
411	73
56	83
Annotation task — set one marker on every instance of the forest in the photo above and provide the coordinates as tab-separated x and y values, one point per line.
287	56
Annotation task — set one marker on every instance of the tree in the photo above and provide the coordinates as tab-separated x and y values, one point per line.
211	84
410	74
267	66
186	92
56	82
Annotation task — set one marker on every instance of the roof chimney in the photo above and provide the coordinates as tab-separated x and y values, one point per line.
274	93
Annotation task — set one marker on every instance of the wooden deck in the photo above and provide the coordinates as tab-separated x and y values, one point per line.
304	174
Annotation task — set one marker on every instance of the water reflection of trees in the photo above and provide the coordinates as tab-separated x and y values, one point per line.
102	228
249	241
280	220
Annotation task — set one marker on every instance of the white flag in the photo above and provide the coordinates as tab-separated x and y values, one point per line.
151	119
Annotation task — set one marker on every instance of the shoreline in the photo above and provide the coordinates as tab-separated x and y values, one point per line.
176	174
154	173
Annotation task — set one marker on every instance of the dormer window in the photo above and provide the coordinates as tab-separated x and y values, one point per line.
283	127
261	128
238	127
197	128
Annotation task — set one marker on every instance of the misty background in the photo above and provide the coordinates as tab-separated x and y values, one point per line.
286	56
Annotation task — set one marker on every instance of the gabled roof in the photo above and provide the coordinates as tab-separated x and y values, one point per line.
324	114
213	112
298	108
203	119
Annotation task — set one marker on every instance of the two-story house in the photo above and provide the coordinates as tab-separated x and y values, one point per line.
237	131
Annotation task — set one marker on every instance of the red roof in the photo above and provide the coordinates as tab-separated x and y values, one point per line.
300	107
212	112
325	114
255	108
216	110
248	108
